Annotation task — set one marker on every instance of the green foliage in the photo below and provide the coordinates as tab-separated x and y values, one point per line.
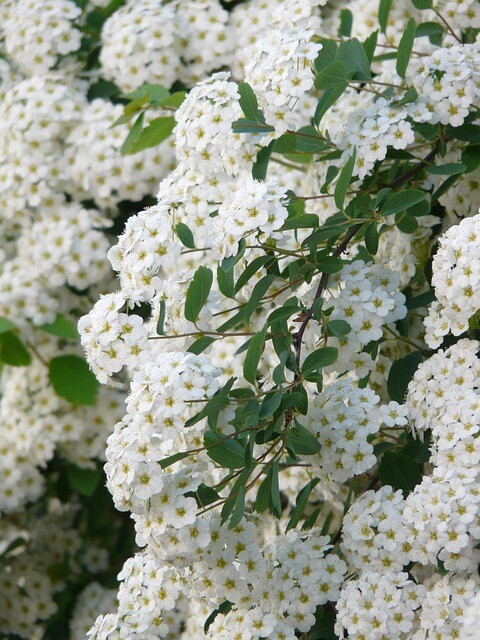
72	379
405	47
400	471
12	350
197	293
61	327
401	372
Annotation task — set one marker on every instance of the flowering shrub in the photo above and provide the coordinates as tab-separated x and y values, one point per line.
239	273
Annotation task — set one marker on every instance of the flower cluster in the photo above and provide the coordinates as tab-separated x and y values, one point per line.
456	276
39	35
279	67
371	131
204	139
257	206
448	83
156	42
367	299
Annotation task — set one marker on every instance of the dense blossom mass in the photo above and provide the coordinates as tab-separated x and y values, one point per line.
239	277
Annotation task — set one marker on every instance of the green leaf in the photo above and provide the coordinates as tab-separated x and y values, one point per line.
229	454
401	372
302	441
213	406
303	141
343	182
197	293
176	457
263	494
422	300
471	157
355	58
276	503
226	283
248	101
259	290
157	131
244	125
250	270
319	359
419	450
85	481
346	22
327	54
422	4
161	318
133	135
239	509
329	264
402	201
409	96
328	99
102	89
260	166
383	13
466	133
201	344
399	471
405	47
270	404
370	44
371	238
406	223
13	351
254	353
154	93
333	75
6	325
185	235
300	503
303	221
174	100
339	328
62	327
449	169
224	608
205	495
229	263
429	29
72	379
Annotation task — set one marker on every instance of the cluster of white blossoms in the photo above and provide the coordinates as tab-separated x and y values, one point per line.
448	83
387	600
206	442
63	247
36	115
343	418
110	338
367	298
204	139
374	537
36	422
371	131
456	279
156	42
39	34
94	600
279	69
257	207
96	167
30	580
249	19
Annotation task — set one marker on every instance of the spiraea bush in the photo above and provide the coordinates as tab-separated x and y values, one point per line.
240	327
